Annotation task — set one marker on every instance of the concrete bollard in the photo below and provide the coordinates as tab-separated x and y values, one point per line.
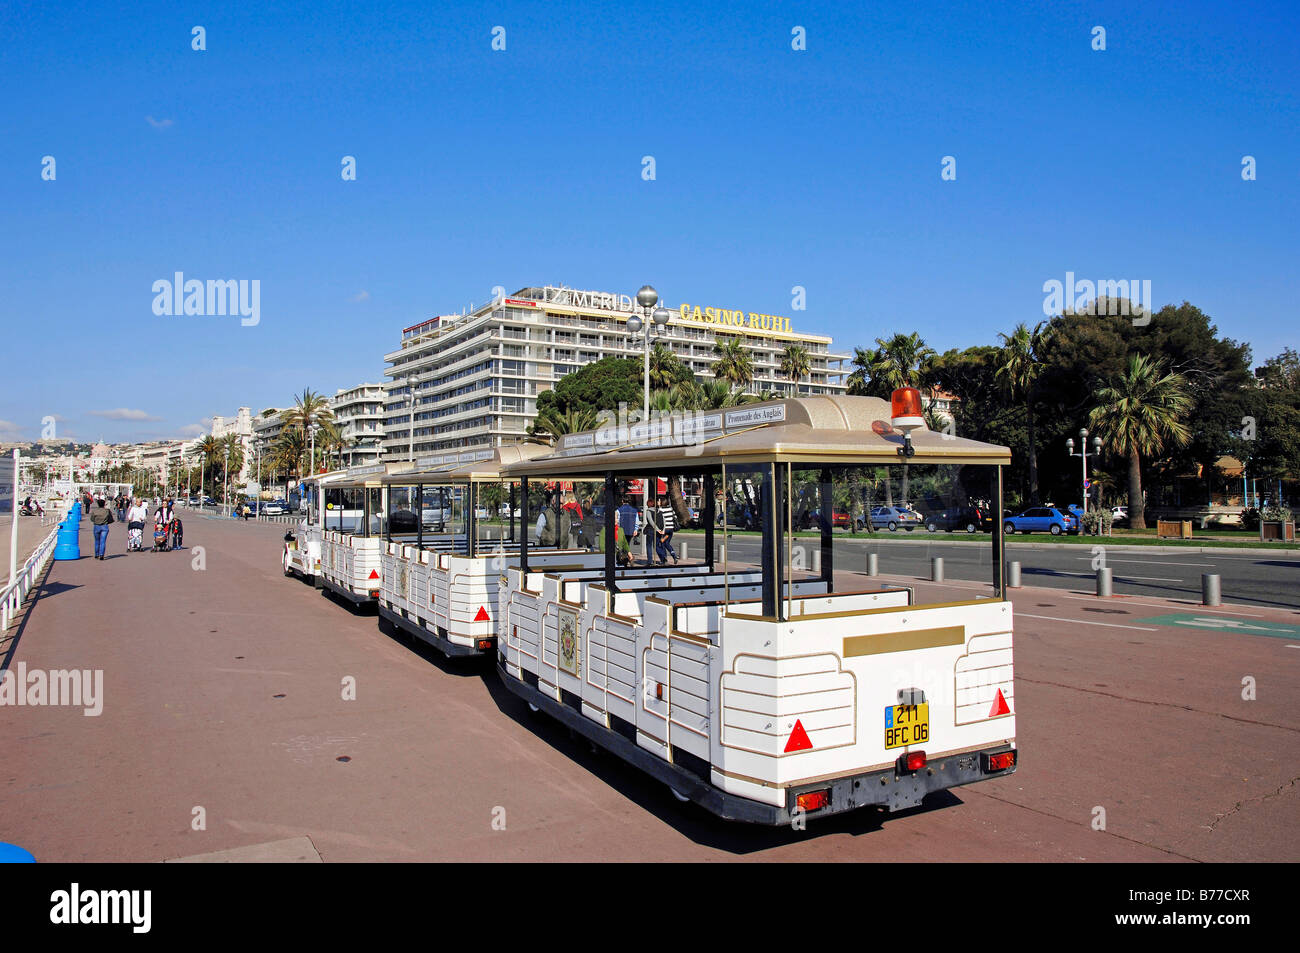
1013	574
936	569
684	545
817	560
1104	586
1211	594
873	565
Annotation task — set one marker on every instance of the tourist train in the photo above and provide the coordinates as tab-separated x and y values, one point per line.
760	673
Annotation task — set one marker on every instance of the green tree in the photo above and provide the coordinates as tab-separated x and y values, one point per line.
861	381
666	368
311	410
1138	414
735	364
795	364
551	424
1019	366
602	385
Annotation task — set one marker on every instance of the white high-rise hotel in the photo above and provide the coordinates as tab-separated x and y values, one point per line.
476	376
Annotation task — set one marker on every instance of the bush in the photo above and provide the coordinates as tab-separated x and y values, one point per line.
1276	513
1097	522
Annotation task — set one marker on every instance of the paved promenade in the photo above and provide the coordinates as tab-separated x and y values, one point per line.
222	701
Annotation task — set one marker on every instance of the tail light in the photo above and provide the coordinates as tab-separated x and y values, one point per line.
912	761
1000	761
813	800
484	644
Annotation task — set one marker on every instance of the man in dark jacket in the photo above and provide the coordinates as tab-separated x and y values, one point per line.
100	516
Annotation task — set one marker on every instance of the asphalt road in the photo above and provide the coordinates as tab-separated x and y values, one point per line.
1161	571
225	727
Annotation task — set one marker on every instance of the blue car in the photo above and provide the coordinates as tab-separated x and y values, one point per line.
1041	519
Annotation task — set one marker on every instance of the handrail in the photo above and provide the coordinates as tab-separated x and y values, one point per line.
14	594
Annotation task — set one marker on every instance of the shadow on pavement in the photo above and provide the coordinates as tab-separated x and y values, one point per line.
690	820
9	640
468	667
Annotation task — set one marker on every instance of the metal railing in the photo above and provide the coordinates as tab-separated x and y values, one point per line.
15	593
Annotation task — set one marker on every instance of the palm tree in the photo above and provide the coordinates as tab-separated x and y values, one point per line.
795	364
311	410
551	424
665	367
707	395
1139	413
288	454
209	448
734	364
1019	365
901	361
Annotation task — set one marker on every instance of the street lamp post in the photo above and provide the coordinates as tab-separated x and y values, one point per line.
647	298
1083	455
225	481
655	319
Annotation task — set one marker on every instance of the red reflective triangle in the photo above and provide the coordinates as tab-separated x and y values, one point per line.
374	574
482	615
999	706
798	739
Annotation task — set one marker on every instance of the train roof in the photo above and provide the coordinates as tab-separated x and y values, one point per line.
811	430
373	474
484	464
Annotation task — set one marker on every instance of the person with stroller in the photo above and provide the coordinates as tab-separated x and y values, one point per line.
135	520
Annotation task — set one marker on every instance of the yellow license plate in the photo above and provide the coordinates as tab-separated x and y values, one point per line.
907	725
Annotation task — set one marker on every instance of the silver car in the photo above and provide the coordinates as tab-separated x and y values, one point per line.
892	517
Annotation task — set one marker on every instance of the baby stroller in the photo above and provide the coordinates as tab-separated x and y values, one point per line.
161	538
135	537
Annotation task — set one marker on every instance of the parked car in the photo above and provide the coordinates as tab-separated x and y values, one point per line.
969	518
482	513
1041	519
275	508
1119	515
209	501
251	506
839	518
892	517
194	501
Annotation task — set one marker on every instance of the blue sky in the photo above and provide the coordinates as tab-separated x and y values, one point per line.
774	168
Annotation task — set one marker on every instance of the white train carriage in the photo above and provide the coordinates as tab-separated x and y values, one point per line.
301	555
762	689
441	573
352	532
442	553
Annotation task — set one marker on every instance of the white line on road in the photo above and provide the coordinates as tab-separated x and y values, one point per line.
1089	575
1112	625
1144	562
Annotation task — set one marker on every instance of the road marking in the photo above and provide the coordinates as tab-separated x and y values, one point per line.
1089	575
1276	630
1145	562
1111	625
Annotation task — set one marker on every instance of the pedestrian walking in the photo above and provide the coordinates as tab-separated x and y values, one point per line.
654	532
100	516
668	524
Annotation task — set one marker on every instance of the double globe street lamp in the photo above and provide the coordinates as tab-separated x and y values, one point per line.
1083	454
655	319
